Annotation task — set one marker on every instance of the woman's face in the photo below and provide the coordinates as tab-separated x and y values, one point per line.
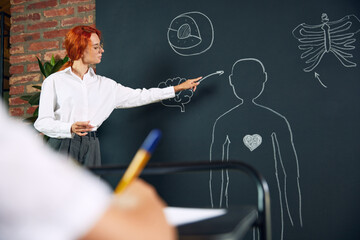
93	52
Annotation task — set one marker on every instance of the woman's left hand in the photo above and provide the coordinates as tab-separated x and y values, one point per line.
188	84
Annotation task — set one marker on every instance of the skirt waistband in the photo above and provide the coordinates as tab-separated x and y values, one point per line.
92	134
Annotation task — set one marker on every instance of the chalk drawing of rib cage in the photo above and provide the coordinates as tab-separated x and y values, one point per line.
336	37
190	34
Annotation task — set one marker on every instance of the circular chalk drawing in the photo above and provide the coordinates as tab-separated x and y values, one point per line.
190	34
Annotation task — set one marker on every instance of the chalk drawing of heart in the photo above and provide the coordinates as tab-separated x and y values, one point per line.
252	141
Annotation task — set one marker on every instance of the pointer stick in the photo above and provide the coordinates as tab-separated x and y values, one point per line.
217	72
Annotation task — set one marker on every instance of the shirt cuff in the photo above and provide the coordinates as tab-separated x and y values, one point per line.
169	92
66	130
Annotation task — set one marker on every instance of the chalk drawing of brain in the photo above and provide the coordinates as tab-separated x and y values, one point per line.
181	98
190	34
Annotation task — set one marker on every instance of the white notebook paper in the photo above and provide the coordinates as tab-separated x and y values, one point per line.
177	216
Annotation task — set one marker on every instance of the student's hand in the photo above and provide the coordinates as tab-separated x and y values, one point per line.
188	84
144	212
137	214
81	128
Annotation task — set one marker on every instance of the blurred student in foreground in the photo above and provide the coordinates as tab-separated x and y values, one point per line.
43	196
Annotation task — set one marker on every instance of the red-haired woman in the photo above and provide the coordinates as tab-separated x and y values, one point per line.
75	101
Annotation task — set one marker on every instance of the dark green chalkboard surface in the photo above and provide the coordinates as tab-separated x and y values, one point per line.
282	93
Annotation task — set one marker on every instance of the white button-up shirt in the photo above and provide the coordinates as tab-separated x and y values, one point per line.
66	99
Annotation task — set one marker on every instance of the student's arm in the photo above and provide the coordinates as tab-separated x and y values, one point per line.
44	196
135	214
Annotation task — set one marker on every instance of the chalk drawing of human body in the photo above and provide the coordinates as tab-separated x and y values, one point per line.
250	131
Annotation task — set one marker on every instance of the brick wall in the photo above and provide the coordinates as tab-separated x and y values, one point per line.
37	30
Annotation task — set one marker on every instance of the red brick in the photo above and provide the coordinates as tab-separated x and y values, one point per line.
16	90
43	4
57	54
59	12
31	89
31	110
24	37
34	77
17	28
73	1
23	58
17	49
37	46
31	16
14	2
16	101
55	33
33	67
86	8
16	69
17	111
77	20
17	9
37	26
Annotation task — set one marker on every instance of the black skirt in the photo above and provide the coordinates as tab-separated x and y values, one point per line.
83	149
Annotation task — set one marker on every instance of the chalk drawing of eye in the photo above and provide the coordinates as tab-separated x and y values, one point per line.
184	33
190	34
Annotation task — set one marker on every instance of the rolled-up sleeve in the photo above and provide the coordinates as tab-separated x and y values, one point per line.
126	97
46	121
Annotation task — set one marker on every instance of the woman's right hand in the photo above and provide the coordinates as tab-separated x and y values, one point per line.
81	128
188	84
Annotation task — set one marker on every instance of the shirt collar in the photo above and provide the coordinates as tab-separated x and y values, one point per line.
90	72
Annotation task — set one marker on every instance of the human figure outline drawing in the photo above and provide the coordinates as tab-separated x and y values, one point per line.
234	132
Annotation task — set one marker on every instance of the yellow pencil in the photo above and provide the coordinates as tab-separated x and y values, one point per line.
139	161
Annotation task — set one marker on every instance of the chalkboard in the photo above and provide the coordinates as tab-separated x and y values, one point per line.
281	93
